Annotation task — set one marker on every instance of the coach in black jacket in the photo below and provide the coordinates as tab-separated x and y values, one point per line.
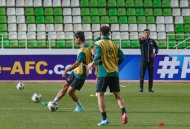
147	46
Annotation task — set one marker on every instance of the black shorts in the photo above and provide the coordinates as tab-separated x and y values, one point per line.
75	82
104	82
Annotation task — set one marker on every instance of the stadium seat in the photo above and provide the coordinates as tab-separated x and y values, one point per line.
102	11
179	28
174	3
121	11
157	11
180	36
125	44
150	19
135	44
113	12
113	19
58	19
141	19
85	11
131	11
13	43
147	3
162	44
93	3
182	44
130	3
121	3
138	3
123	19
93	11
165	3
187	28
112	3
157	3
102	3
167	12
148	11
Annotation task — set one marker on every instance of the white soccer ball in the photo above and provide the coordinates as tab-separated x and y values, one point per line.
20	86
52	106
36	97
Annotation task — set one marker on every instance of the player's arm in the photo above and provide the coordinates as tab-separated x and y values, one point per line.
156	47
79	60
120	56
97	57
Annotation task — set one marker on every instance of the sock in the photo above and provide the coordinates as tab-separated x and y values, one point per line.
123	110
104	116
56	99
78	103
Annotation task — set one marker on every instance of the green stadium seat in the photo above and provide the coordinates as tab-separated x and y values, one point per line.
179	28
117	42
181	45
150	19
3	27
104	19
147	3
30	19
171	36
90	43
48	11
186	19
41	44
123	19
84	3
148	11
58	19
131	12
112	3
132	20
135	44
162	44
139	11
114	19
32	44
141	19
93	3
69	44
3	19
39	11
165	3
85	11
2	11
130	3
102	11
121	3
167	12
138	3
22	43
122	11
49	19
157	3
58	11
157	12
187	28
94	11
52	43
125	44
180	36
86	19
95	20
29	11
172	44
112	11
5	43
102	3
60	44
76	46
13	43
40	19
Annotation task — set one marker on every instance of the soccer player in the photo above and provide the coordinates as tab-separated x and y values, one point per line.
147	46
111	56
80	72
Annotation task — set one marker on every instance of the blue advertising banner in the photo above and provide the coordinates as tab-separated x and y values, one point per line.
50	67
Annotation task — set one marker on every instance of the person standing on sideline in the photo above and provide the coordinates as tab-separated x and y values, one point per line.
111	56
79	74
147	46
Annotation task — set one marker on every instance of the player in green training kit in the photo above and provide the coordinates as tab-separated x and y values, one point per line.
111	56
80	72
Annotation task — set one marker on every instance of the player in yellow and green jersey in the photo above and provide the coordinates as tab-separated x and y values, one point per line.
79	74
108	72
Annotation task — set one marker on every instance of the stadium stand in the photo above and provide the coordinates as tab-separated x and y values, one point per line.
51	23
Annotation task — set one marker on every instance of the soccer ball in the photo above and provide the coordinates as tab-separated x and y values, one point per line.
52	106
36	97
20	86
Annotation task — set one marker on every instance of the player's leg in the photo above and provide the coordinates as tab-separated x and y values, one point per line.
143	67
100	90
76	85
63	90
115	88
150	73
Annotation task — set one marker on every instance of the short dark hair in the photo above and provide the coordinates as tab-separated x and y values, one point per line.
80	35
146	29
105	30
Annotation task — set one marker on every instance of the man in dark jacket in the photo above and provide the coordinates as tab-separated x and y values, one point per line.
147	46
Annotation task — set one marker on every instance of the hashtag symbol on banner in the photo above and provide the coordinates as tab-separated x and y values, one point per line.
168	67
